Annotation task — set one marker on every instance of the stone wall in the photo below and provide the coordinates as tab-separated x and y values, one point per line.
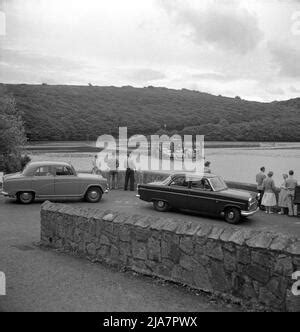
253	266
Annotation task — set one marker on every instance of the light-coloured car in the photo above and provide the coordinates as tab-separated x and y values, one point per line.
53	180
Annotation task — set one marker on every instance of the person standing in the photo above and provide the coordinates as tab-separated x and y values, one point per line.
283	196
291	185
139	169
260	177
129	175
96	165
269	198
113	165
207	167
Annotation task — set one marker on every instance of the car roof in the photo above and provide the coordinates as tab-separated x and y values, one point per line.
195	176
32	166
47	163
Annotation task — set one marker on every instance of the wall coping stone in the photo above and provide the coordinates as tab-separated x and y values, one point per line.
256	239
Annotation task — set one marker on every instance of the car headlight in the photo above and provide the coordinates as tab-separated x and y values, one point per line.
251	201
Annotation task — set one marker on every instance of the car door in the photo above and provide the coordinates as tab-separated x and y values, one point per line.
178	192
201	197
43	182
66	182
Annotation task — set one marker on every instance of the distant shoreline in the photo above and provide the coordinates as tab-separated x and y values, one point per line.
88	146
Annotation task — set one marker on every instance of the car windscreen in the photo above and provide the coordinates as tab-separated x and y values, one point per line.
26	170
218	184
167	180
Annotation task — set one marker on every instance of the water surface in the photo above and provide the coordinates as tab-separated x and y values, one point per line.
236	164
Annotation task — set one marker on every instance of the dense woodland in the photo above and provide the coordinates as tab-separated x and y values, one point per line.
85	112
12	134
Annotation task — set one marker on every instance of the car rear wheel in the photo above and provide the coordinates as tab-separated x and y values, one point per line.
232	215
93	195
25	197
161	206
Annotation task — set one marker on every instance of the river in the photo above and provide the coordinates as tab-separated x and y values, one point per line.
233	163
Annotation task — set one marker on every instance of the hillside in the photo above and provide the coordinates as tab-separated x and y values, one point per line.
295	103
85	112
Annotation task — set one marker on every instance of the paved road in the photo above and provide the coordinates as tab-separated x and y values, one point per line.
43	280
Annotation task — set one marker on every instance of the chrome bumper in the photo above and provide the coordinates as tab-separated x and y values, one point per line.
249	213
3	193
138	196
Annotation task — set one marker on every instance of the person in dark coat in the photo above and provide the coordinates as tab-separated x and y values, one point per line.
291	184
129	175
260	177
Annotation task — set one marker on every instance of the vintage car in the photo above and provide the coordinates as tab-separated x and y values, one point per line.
207	194
53	180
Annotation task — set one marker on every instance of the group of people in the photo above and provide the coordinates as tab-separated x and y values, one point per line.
112	167
265	184
268	192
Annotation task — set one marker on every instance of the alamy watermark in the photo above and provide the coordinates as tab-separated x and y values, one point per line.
154	153
2	284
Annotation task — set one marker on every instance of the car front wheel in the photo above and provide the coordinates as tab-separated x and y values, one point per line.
232	215
161	206
25	197
93	195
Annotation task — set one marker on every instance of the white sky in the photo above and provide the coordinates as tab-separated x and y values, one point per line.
249	48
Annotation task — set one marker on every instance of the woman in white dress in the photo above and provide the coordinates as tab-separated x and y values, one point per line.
269	198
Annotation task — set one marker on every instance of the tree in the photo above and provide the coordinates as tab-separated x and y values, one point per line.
12	134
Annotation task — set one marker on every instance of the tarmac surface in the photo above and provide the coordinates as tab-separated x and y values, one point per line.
44	280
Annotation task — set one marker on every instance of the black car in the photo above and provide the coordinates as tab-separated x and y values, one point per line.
207	194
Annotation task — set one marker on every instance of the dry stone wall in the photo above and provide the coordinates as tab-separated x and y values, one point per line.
251	265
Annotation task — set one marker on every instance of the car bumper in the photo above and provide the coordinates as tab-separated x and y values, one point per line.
138	196
249	213
3	193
